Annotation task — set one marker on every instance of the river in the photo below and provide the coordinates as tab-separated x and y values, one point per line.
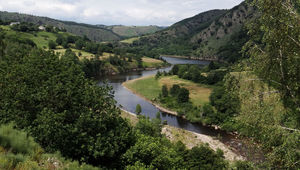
128	100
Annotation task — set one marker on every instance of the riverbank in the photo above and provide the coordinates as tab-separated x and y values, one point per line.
190	139
149	89
149	98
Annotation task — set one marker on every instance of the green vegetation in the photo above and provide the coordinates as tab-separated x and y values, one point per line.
133	31
94	33
55	111
187	96
130	40
216	34
138	109
19	151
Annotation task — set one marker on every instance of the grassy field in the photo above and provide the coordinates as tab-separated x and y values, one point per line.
83	53
150	88
130	40
151	62
40	38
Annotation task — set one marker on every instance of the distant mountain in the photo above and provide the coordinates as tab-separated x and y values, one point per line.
133	31
93	32
206	35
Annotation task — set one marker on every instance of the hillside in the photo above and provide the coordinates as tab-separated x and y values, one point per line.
133	31
92	32
209	35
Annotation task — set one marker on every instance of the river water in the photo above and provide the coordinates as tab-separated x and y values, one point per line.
128	100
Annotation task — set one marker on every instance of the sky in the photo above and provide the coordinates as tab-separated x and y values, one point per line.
117	12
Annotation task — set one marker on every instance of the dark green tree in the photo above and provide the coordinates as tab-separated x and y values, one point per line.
183	95
164	91
60	39
138	109
79	44
52	44
175	90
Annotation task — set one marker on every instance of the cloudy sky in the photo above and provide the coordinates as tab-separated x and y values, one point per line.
111	12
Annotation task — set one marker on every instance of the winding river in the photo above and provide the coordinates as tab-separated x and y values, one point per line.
128	100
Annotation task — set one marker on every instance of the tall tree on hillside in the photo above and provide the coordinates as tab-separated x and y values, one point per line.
275	49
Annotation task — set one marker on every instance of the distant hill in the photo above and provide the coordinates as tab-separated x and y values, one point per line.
93	32
211	35
133	31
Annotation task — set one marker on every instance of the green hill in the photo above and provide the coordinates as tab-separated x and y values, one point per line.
134	31
208	35
93	32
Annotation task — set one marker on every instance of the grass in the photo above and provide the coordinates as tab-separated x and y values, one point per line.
133	120
130	40
151	62
84	54
199	94
150	88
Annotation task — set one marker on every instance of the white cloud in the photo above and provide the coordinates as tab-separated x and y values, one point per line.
126	12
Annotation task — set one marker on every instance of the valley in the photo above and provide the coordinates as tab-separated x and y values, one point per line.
219	90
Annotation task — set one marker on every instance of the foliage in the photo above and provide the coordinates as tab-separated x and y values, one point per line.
274	47
149	127
175	90
60	108
19	151
52	44
183	95
24	27
153	153
138	109
202	157
164	91
16	141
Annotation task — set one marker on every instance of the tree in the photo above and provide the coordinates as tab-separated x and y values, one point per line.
82	123
203	157
153	152
52	44
157	75
183	95
149	127
175	69
164	91
275	49
79	44
60	39
138	109
175	90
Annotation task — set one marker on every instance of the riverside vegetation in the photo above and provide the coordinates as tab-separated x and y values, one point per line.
49	96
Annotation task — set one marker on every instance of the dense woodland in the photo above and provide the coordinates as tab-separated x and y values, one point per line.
53	115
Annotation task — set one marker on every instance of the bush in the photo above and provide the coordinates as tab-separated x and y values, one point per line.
138	109
52	44
16	141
